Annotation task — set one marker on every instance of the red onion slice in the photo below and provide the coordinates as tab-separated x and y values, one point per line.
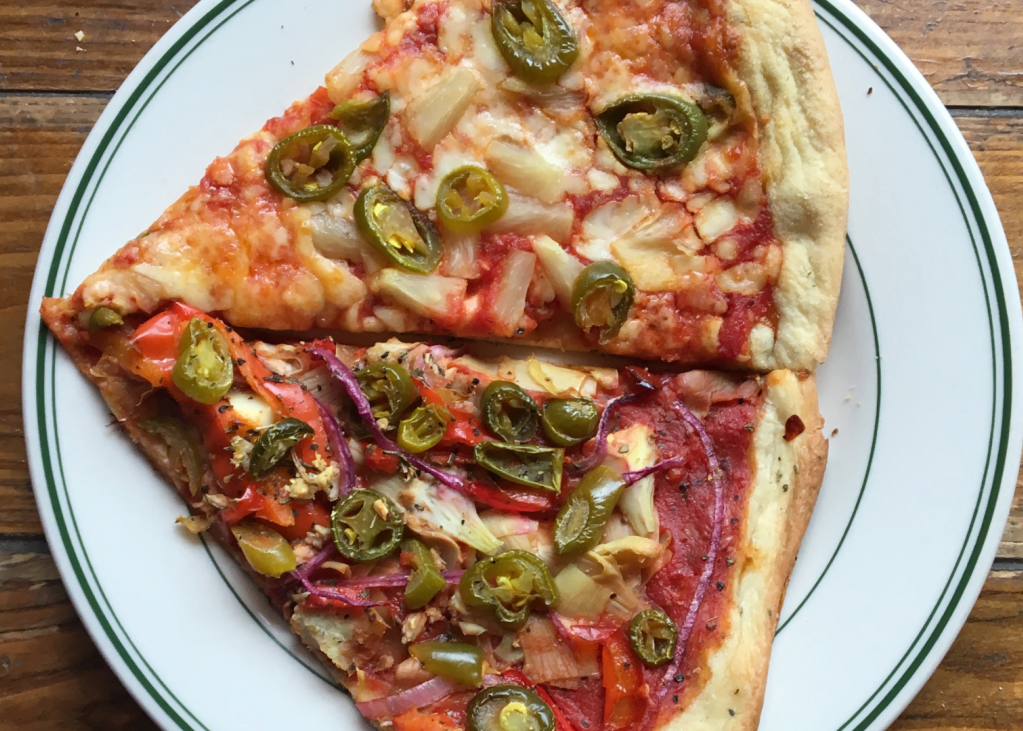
595	457
686	630
337	594
339	446
634	476
314	563
382	581
421	695
344	374
643	386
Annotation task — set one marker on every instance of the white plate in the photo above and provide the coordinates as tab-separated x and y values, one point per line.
919	386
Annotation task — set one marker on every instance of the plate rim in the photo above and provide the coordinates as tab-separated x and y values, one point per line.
167	53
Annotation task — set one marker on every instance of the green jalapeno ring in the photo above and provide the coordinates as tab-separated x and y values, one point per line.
584	514
602	297
424	428
366	526
426	580
535	39
508	708
523	464
569	421
509	412
653	132
459	661
509	584
469	199
653	636
328	147
363	122
389	389
204	370
103	317
397	229
274	443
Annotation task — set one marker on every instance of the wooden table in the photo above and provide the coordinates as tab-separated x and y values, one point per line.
54	85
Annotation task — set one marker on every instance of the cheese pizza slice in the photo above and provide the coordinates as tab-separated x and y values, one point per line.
652	178
483	544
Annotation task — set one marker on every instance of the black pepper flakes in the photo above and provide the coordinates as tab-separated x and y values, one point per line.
679	678
674	698
721	586
731	712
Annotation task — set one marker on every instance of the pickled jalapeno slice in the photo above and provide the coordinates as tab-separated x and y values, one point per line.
312	164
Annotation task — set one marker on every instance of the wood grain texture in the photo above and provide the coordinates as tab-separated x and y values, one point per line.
39	139
51	675
40	52
970	51
979	685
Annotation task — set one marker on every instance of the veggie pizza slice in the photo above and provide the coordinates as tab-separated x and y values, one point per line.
483	544
659	179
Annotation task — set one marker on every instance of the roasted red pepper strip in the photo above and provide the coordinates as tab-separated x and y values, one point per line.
260	505
512	498
306	514
379	460
464	429
156	341
623	676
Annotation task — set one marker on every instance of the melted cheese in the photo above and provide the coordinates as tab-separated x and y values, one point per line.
235	246
251	409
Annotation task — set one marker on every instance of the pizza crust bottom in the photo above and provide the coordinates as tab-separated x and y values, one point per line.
787	479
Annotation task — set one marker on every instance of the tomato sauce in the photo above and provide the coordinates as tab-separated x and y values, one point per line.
426	29
743	313
493	250
685	501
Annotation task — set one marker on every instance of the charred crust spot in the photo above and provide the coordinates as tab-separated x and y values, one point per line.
794	426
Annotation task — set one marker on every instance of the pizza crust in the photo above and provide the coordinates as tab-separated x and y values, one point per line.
784	65
788	478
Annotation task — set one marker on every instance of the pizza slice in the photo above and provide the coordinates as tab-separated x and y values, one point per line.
657	179
481	544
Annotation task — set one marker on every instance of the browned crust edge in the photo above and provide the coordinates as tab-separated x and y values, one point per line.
784	65
788	479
